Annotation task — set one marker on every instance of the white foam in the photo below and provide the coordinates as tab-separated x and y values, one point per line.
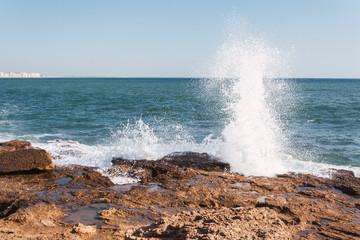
139	140
316	168
135	140
244	70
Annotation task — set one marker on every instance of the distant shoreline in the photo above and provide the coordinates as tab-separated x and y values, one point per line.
91	77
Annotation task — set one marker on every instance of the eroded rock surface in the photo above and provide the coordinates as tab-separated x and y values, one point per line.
20	156
177	199
224	223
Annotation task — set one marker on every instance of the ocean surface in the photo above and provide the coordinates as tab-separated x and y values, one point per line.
280	125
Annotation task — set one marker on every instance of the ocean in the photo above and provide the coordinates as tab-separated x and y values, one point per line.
280	125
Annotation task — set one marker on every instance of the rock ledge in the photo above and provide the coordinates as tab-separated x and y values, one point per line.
20	156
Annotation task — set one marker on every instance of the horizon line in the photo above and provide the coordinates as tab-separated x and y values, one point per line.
168	77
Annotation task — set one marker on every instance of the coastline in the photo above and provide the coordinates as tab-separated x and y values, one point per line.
186	196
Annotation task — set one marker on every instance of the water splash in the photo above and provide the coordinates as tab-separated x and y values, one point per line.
245	72
134	140
140	140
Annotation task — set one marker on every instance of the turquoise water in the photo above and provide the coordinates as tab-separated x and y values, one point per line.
91	110
319	120
327	120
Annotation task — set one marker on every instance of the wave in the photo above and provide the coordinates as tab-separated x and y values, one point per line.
132	141
138	140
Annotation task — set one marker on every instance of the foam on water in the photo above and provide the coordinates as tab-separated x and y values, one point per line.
135	140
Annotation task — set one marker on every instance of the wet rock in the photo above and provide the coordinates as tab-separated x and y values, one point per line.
196	161
345	181
181	199
341	230
20	156
10	204
169	167
93	179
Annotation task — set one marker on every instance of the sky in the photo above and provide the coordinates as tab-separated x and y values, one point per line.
173	38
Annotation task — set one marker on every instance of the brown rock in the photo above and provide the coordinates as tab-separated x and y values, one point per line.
20	156
226	223
84	229
169	167
345	181
180	200
93	179
36	222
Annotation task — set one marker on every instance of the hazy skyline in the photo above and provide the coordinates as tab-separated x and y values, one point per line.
168	38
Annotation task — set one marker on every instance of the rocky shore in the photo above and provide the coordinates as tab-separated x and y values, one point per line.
181	196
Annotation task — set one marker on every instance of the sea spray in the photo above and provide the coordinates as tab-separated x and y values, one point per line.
244	72
134	140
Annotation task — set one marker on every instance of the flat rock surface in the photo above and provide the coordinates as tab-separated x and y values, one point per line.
19	156
177	202
223	223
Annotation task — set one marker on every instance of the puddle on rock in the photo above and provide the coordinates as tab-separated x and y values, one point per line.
306	232
155	187
124	187
87	215
63	181
213	186
341	193
323	221
199	176
309	188
262	199
249	192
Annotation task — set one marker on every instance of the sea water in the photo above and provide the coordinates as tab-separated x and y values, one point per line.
242	113
149	118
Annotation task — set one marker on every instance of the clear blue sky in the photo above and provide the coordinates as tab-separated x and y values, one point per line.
160	38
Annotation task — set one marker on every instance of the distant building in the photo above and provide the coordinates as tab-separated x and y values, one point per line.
19	75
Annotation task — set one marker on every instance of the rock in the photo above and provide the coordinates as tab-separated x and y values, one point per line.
226	223
345	181
43	214
182	199
36	222
169	167
93	179
196	161
20	156
84	229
